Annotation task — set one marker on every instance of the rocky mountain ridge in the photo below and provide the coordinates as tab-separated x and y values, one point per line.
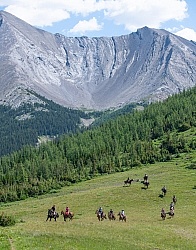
92	73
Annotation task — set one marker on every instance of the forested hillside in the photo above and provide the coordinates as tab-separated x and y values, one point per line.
23	125
155	134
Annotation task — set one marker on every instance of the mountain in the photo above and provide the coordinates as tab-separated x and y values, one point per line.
92	73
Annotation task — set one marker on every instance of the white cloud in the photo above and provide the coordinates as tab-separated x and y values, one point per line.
187	33
46	12
132	14
83	26
136	14
39	13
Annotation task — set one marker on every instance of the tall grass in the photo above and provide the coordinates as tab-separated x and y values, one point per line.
144	228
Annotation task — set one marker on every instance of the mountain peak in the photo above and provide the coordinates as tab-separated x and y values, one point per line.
97	73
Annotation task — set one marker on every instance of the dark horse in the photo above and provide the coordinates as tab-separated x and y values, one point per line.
111	216
163	215
100	216
164	190
171	213
146	184
52	215
128	181
122	217
66	216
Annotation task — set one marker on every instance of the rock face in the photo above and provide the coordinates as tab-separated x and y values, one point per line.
98	73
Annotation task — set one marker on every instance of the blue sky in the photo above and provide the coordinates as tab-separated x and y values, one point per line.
96	18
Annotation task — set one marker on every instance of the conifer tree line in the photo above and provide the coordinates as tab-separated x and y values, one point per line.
21	126
142	137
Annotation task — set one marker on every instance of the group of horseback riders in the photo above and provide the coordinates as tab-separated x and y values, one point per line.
53	210
111	213
122	212
171	208
164	191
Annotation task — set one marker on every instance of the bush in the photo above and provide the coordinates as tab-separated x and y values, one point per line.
192	165
6	220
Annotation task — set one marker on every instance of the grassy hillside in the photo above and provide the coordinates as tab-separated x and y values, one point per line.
144	228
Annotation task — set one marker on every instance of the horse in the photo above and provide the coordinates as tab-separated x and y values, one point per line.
171	213
128	182
174	199
52	215
146	183
163	215
66	216
122	217
100	216
111	216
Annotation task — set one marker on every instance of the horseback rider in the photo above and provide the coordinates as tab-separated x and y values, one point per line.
100	210
53	209
145	178
163	213
171	206
171	210
122	213
67	210
111	213
174	199
164	190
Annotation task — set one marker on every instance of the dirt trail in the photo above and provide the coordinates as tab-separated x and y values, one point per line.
11	244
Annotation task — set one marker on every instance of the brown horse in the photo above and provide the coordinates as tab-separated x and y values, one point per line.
100	216
174	199
111	216
66	216
122	217
51	215
128	182
163	215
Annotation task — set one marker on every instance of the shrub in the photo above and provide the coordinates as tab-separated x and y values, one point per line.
6	220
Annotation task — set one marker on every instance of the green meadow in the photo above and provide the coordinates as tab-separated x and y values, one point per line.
144	228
